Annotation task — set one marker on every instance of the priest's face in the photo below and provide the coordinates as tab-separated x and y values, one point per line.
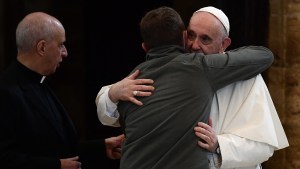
55	52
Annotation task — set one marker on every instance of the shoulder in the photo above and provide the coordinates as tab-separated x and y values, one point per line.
190	59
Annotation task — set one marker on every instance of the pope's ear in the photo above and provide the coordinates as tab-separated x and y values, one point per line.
226	43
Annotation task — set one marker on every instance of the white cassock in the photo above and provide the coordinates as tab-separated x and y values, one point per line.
247	124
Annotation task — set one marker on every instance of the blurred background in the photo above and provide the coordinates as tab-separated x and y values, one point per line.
104	45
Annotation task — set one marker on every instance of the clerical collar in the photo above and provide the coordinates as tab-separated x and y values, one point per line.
43	78
27	73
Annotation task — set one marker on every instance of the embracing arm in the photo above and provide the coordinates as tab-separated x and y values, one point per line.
106	109
241	152
236	65
235	151
108	97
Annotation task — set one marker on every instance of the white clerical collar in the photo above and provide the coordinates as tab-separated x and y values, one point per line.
42	79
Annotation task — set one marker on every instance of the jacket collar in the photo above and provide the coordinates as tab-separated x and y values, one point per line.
163	51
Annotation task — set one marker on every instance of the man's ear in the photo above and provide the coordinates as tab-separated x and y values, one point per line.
144	47
226	42
41	47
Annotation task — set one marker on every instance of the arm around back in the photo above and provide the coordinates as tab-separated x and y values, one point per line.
238	64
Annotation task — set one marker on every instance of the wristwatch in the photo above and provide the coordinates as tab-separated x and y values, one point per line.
218	151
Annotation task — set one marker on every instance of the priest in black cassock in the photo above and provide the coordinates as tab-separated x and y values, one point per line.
36	131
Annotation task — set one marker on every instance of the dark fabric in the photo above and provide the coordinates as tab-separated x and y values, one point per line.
36	130
92	155
159	134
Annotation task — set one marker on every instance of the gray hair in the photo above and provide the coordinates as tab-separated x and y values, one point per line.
33	28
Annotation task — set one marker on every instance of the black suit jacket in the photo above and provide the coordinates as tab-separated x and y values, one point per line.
36	130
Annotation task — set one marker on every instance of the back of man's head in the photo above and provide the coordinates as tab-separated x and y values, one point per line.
162	26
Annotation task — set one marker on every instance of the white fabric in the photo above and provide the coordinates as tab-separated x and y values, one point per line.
219	14
215	162
106	109
247	126
250	98
242	153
